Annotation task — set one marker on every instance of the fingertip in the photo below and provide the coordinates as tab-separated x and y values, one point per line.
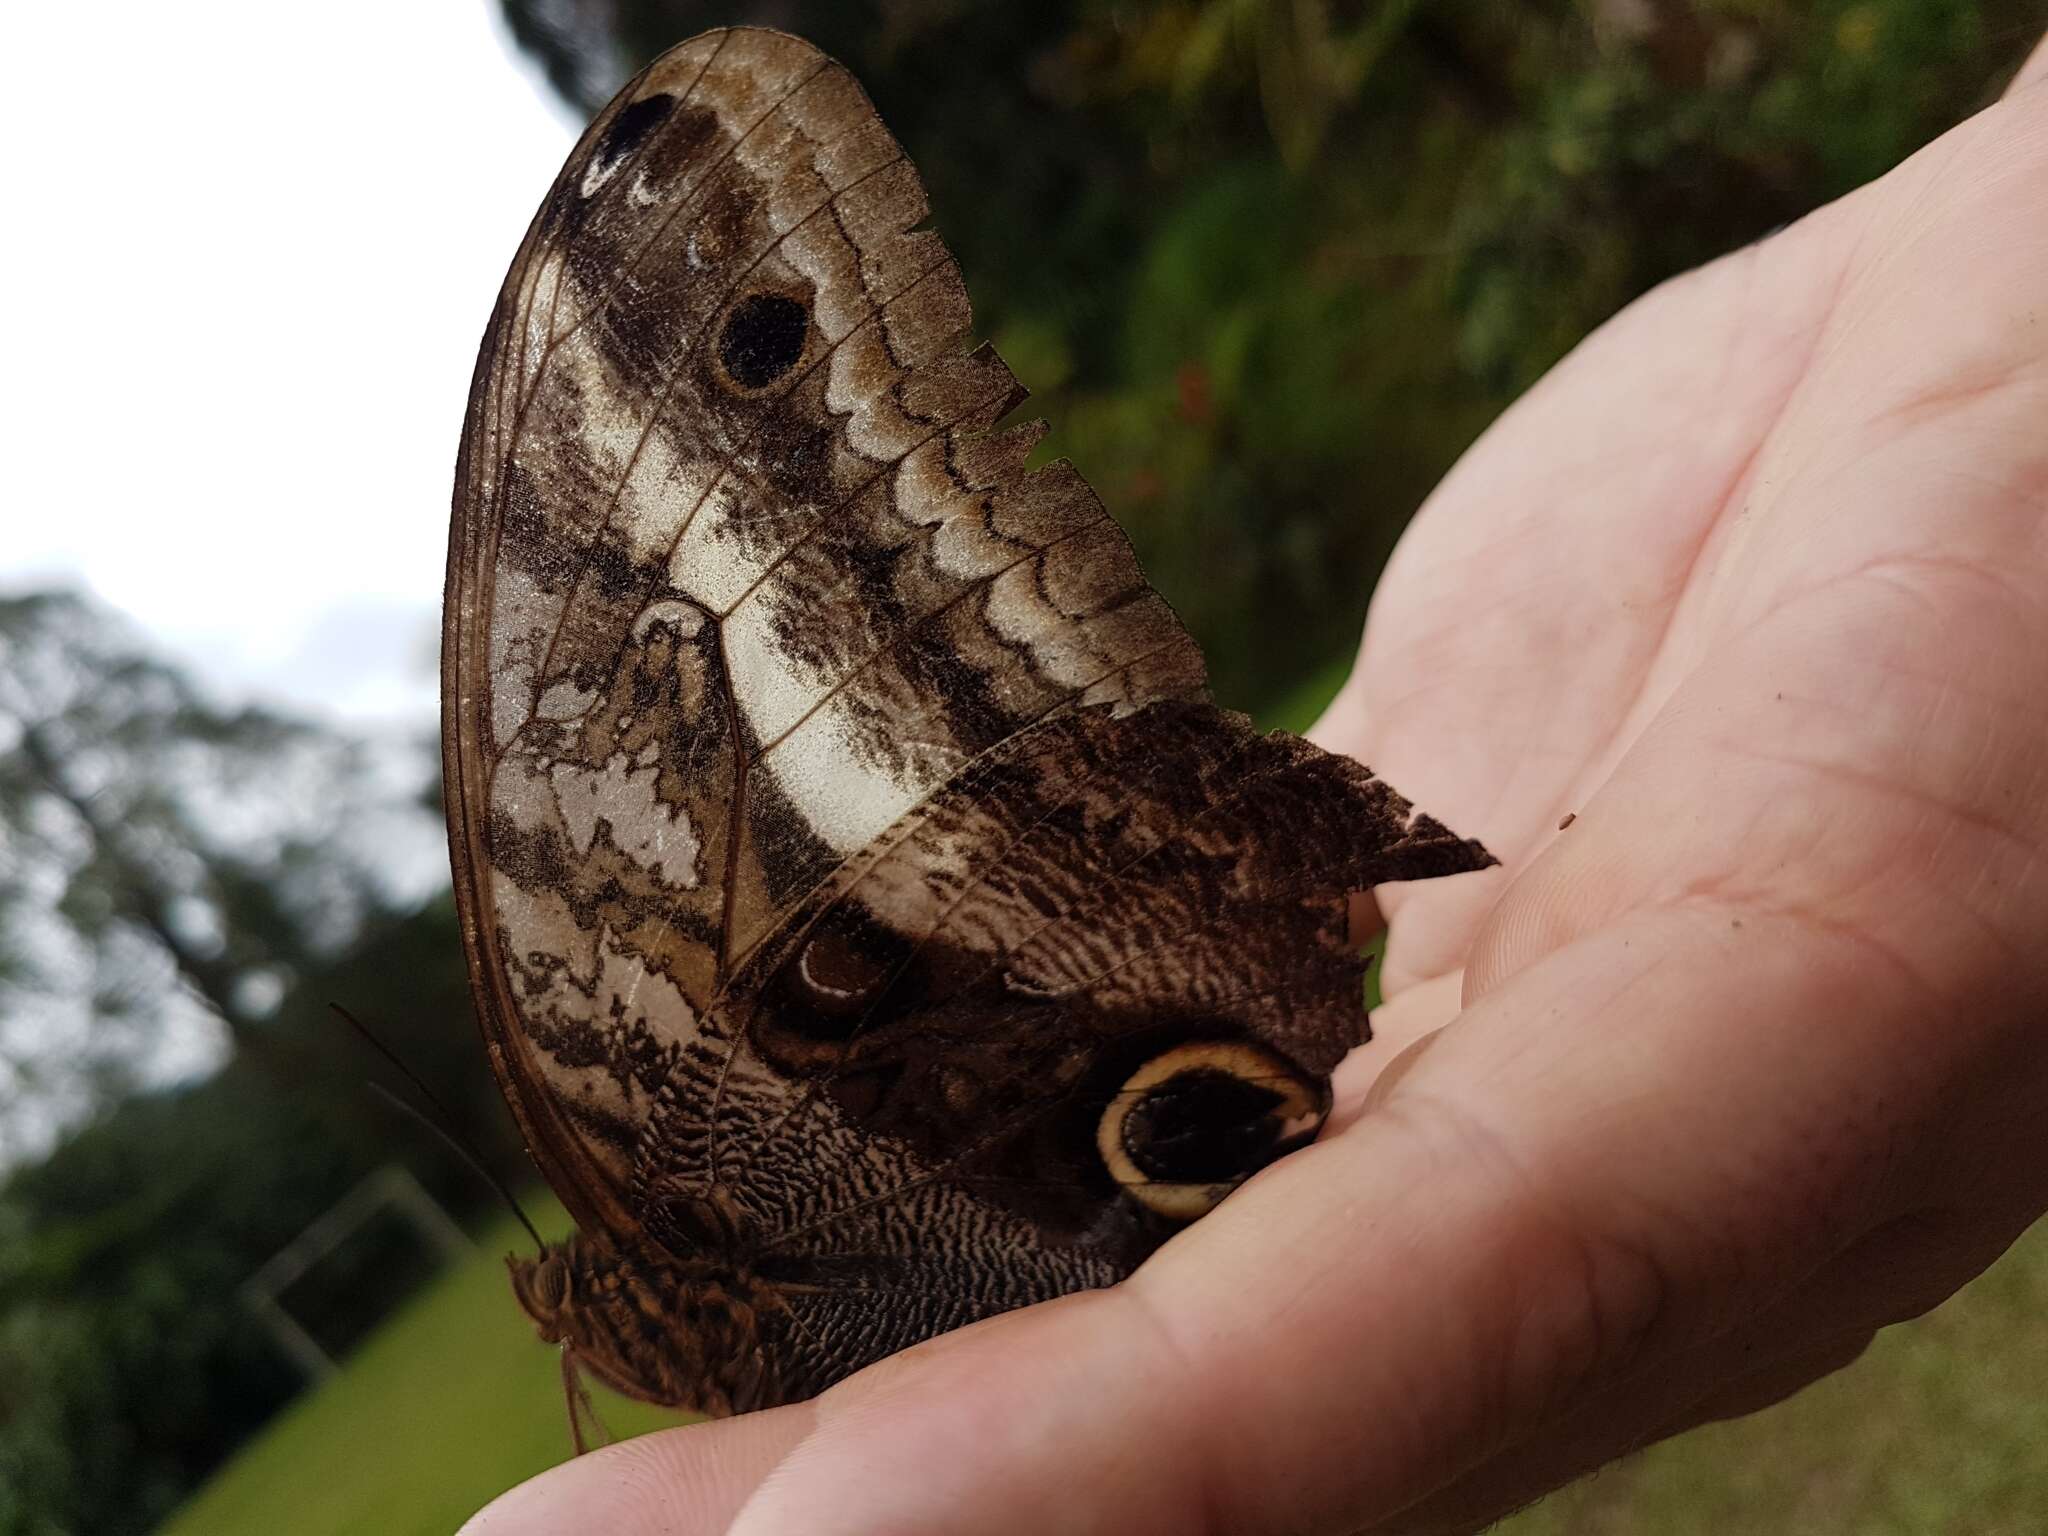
1341	727
2032	72
675	1482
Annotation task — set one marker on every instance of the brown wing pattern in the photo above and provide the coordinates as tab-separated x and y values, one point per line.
738	572
961	1004
837	818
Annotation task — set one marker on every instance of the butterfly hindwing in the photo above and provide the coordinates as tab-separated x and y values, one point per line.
962	1008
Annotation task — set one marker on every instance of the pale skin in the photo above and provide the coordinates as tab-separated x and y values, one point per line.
1668	1116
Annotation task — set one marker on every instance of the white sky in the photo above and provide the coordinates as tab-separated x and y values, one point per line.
250	252
249	260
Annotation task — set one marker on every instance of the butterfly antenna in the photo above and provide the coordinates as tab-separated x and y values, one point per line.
440	1126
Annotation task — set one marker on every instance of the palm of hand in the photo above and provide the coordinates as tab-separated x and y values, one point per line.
1753	585
1750	1058
1820	463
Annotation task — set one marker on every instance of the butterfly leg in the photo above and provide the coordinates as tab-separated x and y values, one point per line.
576	1397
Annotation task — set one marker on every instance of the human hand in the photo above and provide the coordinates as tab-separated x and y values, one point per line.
1748	1062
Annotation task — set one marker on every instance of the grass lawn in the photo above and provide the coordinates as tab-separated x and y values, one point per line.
449	1404
1941	1430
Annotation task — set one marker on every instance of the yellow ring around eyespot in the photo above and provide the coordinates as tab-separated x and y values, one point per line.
1302	1100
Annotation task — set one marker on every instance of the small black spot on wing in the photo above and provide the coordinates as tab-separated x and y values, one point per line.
629	130
763	338
818	1000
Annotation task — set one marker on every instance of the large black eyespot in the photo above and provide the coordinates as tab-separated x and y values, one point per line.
1201	1126
631	127
1195	1121
763	338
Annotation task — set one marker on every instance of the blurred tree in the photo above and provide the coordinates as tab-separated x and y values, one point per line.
129	1366
184	888
1272	264
169	865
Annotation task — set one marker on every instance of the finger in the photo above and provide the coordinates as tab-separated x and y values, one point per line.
1782	1379
678	1482
1588	1168
1264	1373
2033	72
1364	921
1677	1396
1901	1271
1412	962
1497	651
1400	1030
980	1430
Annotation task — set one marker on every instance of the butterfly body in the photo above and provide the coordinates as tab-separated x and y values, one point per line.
873	924
700	1334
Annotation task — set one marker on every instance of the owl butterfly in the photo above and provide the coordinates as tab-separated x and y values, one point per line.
873	925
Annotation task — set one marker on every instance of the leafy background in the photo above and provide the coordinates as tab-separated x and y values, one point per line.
1270	265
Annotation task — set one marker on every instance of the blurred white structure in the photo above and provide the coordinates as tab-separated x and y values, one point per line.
390	1188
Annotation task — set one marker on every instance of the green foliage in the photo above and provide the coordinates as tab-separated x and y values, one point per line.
128	1363
1639	149
1272	266
163	853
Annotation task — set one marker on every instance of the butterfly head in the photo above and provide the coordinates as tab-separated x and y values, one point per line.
545	1287
683	1335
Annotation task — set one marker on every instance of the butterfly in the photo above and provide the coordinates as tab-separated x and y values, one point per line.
873	924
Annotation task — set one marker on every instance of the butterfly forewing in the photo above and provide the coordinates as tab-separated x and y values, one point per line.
837	816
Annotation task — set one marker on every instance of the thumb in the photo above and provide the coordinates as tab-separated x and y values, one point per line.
678	1482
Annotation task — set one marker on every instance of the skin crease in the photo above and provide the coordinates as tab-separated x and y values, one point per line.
1747	1063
